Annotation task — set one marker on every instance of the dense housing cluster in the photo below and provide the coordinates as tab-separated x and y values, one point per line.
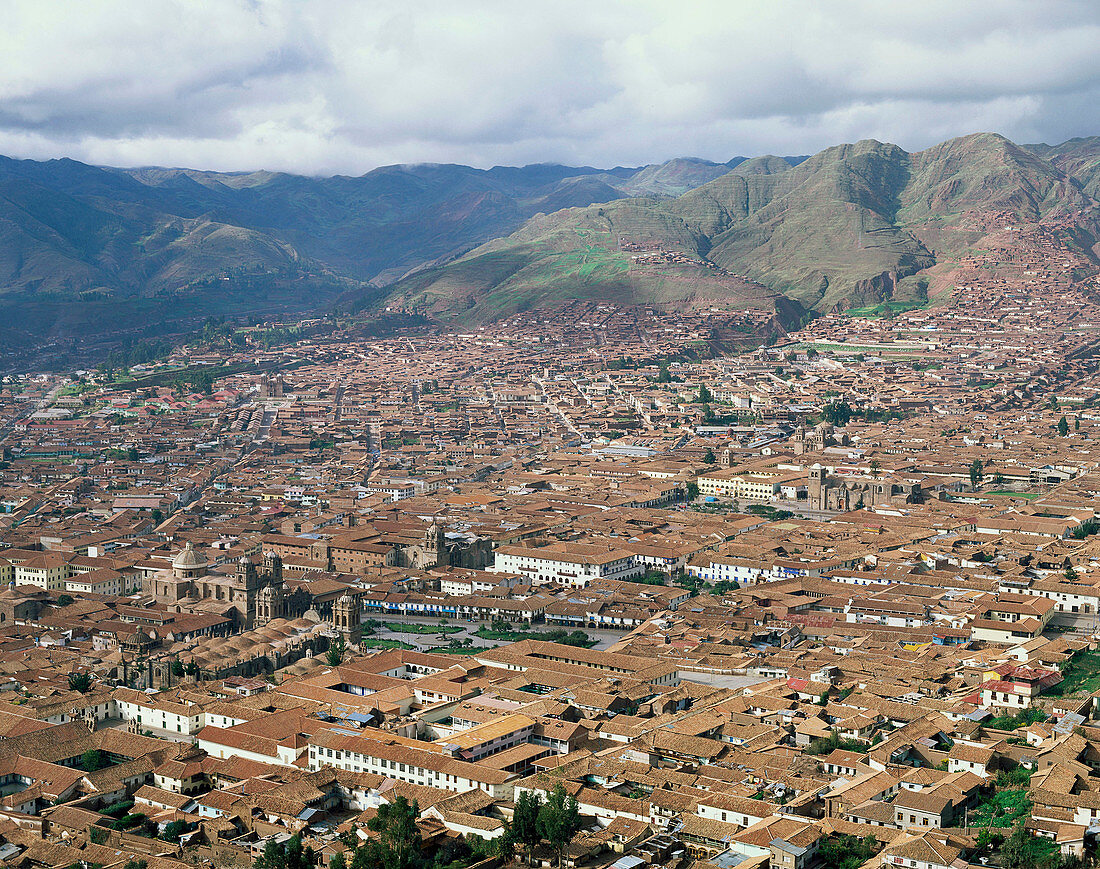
615	586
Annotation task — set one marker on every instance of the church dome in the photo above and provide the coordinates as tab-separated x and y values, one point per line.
188	558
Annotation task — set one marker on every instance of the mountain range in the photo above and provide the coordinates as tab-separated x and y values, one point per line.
97	247
852	225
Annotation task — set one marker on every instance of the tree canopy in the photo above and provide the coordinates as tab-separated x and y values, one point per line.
81	682
525	828
335	653
285	855
977	473
92	759
559	820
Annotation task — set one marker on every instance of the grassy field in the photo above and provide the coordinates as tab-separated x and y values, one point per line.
459	650
881	350
1030	496
405	628
372	643
886	309
559	635
1080	674
1002	810
1024	718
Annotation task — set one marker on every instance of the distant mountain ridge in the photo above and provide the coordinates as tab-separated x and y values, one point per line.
97	247
850	225
102	236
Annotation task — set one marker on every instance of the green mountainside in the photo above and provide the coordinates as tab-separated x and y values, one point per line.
186	243
849	226
1079	158
85	247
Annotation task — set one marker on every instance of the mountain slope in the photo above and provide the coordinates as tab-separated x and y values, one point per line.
85	247
1079	158
845	227
986	172
225	241
826	228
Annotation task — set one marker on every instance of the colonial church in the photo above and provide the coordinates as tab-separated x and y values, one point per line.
252	597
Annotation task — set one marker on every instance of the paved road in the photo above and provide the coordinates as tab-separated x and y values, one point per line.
41	404
553	408
264	428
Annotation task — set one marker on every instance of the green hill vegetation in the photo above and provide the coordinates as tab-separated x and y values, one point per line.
850	227
854	226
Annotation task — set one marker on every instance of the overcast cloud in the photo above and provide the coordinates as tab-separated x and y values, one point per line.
323	86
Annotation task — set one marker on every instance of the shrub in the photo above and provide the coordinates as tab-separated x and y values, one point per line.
1014	778
129	821
117	810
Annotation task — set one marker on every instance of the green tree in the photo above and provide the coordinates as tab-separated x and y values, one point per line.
705	396
691	490
399	840
1063	426
81	682
64	599
136	864
91	760
1054	402
525	827
663	374
273	856
157	515
708	456
837	412
174	830
338	861
559	820
192	669
298	857
178	668
988	840
335	653
503	846
286	855
1015	852
875	468
977	473
847	852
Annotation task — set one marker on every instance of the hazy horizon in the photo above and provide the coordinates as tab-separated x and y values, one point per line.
332	87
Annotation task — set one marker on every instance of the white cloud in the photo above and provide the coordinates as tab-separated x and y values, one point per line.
343	85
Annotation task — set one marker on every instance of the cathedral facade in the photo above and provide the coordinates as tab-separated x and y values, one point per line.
251	596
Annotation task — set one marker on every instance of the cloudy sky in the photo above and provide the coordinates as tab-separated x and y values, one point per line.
324	86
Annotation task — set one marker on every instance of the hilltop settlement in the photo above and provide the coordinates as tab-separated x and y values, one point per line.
593	586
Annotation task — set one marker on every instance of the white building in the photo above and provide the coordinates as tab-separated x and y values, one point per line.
575	564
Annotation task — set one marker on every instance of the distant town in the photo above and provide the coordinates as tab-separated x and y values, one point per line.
595	586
